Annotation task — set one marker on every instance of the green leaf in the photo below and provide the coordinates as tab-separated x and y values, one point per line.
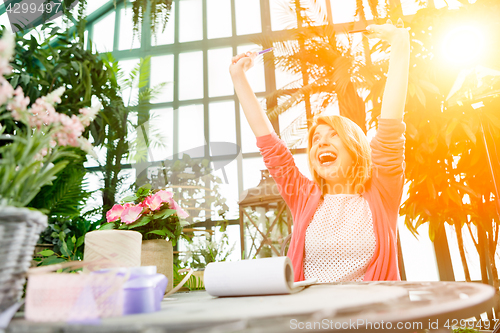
130	198
449	130
140	222
144	190
64	250
469	132
494	119
62	235
454	196
431	189
158	232
80	241
46	253
52	260
107	226
420	95
164	214
429	86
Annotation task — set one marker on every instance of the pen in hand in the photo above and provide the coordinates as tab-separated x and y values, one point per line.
266	50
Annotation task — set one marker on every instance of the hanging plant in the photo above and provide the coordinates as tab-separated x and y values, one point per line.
159	12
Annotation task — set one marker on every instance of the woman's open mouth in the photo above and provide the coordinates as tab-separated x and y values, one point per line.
327	158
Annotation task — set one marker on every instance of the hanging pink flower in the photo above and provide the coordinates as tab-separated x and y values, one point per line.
153	202
164	195
131	214
114	213
180	212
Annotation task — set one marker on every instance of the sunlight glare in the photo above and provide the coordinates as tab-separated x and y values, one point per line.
463	45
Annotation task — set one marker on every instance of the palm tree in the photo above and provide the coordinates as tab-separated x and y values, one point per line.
329	70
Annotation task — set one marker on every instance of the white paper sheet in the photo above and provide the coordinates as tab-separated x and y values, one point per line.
266	276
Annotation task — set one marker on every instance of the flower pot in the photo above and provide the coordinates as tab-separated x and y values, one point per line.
159	253
121	247
20	229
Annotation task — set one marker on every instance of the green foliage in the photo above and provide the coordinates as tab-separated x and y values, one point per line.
327	69
158	10
66	196
465	330
193	283
22	171
67	236
444	147
61	60
206	250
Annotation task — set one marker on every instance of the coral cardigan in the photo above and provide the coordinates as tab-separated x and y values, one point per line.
383	192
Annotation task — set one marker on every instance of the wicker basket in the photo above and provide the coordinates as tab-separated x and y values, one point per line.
20	229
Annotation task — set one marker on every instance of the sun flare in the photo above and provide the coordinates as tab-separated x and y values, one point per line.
463	45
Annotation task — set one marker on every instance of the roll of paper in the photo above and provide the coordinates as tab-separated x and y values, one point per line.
122	248
266	276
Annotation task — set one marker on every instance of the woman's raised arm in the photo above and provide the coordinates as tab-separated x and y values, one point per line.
256	117
393	100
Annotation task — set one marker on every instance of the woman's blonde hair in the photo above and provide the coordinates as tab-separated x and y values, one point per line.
354	141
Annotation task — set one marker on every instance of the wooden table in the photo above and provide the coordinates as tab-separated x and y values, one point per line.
361	307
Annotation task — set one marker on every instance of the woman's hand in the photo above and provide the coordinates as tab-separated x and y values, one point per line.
389	32
242	62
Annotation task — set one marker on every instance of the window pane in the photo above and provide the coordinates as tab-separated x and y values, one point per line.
284	78
218	18
101	156
229	189
219	80
85	38
190	27
123	188
415	260
162	71
191	130
251	171
343	11
286	118
132	139
248	140
167	36
129	95
301	161
256	74
247	17
161	134
222	127
92	182
104	32
127	38
92	5
190	75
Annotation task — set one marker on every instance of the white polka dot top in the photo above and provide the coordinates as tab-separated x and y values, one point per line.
340	241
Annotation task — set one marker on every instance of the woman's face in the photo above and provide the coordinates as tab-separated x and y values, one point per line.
329	157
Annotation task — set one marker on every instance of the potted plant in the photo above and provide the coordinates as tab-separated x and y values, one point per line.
158	217
36	143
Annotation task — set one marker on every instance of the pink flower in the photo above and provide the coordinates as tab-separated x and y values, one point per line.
180	212
114	213
19	102
131	214
164	195
153	202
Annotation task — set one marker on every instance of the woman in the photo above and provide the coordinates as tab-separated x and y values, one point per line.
345	218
